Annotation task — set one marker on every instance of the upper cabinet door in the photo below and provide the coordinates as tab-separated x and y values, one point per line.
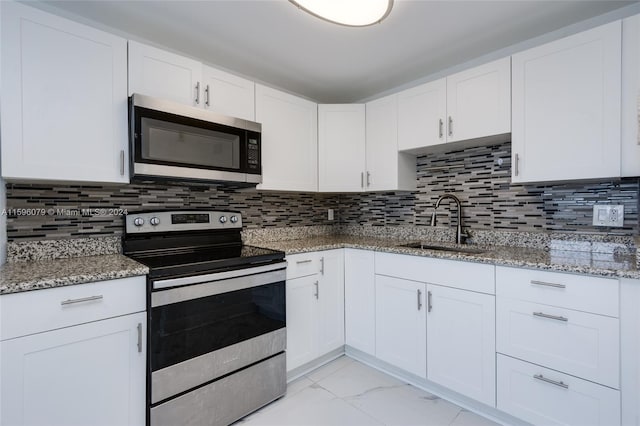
630	149
158	73
566	108
479	101
289	140
64	99
422	113
341	148
228	94
387	169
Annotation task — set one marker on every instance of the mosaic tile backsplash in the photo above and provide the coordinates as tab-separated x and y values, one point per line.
480	177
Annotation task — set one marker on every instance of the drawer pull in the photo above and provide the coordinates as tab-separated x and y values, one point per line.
322	265
553	382
553	317
81	300
535	282
298	262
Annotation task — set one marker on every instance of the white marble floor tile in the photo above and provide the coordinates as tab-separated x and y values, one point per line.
467	418
330	368
405	405
298	385
356	379
312	406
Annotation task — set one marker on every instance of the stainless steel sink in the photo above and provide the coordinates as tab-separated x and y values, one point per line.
458	249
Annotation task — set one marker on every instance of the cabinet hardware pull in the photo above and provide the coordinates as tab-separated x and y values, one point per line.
517	160
81	300
440	128
362	179
139	337
450	126
206	95
322	265
317	284
553	382
419	299
122	162
198	93
546	284
368	179
298	262
429	301
553	317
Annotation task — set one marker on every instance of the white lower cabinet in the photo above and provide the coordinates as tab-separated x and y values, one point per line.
401	324
76	356
461	341
547	397
315	305
360	300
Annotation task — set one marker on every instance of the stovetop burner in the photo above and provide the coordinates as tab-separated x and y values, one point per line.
174	244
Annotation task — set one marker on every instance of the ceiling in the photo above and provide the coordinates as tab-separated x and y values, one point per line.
274	42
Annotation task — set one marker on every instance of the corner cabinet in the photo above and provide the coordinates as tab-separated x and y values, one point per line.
64	99
474	104
360	300
566	108
77	357
289	141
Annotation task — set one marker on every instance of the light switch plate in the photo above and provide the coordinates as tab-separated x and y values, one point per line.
608	215
330	214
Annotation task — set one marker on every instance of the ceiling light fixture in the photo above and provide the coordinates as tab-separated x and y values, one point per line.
352	13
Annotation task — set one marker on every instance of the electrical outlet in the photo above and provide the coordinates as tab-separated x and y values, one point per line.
330	214
608	215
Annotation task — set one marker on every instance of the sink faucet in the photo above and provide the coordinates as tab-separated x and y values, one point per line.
459	234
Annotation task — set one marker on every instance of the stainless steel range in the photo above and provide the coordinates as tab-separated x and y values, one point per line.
216	317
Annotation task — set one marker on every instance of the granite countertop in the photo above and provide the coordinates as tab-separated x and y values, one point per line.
35	275
583	262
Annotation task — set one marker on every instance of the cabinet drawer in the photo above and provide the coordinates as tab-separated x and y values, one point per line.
36	311
583	293
451	273
535	394
578	343
303	264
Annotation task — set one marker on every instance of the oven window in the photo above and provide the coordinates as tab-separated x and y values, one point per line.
177	143
188	329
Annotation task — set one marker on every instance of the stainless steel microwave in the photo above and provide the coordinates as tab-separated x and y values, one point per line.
172	141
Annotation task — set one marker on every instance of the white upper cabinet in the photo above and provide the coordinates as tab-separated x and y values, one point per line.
472	104
289	140
387	169
479	101
228	94
630	149
156	72
64	99
341	147
566	108
161	74
422	112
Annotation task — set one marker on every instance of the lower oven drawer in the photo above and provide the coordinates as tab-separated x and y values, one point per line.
188	374
226	400
546	397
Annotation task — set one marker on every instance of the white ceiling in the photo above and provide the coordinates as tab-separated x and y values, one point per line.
274	42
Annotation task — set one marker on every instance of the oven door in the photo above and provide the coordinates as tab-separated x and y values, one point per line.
204	327
174	141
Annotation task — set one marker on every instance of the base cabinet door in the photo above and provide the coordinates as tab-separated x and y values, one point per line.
547	397
359	300
461	341
92	373
330	298
302	313
401	327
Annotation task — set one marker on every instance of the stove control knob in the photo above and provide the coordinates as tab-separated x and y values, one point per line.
233	219
223	219
138	221
154	221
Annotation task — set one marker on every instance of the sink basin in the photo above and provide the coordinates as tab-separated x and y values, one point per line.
470	250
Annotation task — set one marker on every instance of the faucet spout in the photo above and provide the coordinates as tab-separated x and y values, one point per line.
459	235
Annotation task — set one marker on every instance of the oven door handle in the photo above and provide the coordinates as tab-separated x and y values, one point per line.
177	282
